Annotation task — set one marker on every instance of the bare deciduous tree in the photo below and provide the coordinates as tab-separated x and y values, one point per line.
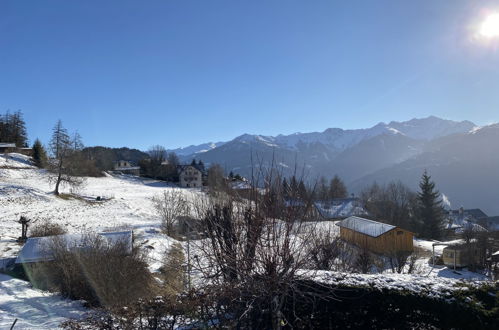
62	166
170	205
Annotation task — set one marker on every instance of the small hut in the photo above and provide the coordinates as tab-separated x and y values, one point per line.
375	236
461	255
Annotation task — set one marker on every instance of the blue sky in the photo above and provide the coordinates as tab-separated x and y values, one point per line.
175	73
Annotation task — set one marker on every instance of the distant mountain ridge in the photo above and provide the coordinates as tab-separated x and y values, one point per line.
462	158
337	139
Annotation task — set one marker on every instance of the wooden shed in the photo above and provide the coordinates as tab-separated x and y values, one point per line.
376	236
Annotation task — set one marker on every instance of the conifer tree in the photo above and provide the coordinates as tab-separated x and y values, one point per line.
430	209
39	154
337	188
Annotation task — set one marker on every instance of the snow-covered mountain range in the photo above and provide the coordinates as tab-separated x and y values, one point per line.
460	156
337	139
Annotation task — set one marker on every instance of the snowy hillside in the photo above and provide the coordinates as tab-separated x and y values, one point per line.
126	202
26	191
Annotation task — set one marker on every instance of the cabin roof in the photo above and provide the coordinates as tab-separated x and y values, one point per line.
340	208
7	145
36	248
365	226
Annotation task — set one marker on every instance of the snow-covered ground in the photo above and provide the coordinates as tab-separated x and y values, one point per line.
26	191
126	203
33	309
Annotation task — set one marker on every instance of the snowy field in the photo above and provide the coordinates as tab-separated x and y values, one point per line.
26	191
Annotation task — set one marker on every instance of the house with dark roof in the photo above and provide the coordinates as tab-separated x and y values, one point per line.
458	220
340	208
375	236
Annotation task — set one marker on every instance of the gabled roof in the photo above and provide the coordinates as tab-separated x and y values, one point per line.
36	248
182	168
365	226
340	208
475	213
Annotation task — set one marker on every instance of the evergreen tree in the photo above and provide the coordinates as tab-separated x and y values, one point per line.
39	154
322	189
430	209
302	190
13	129
201	165
337	188
285	188
193	163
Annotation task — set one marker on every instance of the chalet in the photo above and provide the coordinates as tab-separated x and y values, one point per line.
190	176
461	255
7	147
375	236
340	208
11	148
126	167
37	249
459	220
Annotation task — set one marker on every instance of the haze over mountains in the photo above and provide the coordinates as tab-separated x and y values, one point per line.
462	158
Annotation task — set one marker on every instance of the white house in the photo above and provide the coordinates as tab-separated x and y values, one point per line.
126	167
190	176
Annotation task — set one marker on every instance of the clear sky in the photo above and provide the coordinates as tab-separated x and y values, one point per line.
181	72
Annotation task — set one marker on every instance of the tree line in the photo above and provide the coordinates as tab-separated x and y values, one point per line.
13	129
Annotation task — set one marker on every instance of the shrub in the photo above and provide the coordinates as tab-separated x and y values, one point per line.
47	228
172	272
101	273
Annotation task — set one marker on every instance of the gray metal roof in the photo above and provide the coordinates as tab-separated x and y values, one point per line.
7	145
365	226
37	249
340	208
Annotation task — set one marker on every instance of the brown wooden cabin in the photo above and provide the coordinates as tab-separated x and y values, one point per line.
376	236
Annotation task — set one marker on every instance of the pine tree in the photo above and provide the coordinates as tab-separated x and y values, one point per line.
322	189
430	209
285	188
302	190
337	188
39	154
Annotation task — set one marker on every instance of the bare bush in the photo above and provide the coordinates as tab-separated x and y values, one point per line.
254	257
95	270
172	271
325	251
364	261
46	228
170	205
